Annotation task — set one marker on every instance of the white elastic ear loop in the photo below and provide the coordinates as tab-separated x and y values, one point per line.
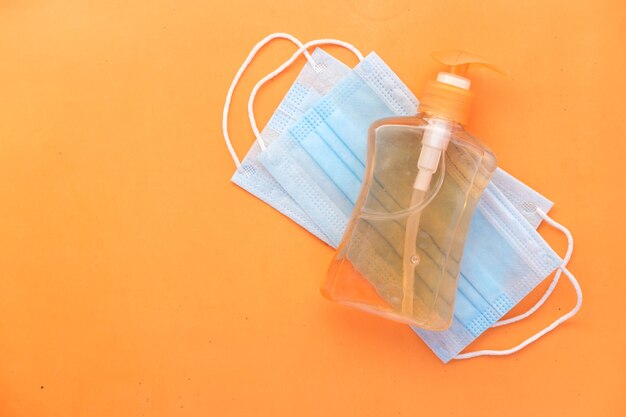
303	49
557	275
565	317
243	67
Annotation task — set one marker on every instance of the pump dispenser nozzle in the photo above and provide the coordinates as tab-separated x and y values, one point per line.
459	62
449	96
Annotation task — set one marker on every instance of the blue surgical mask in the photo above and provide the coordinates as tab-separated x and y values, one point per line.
319	161
318	76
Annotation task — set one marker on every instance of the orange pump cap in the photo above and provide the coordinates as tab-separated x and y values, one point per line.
449	96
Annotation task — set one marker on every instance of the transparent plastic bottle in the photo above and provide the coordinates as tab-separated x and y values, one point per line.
401	253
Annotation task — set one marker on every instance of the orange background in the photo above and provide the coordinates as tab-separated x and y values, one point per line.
135	279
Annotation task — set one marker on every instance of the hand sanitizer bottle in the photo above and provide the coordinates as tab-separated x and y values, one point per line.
401	253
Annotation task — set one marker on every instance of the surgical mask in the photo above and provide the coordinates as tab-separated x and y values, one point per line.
320	162
318	76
